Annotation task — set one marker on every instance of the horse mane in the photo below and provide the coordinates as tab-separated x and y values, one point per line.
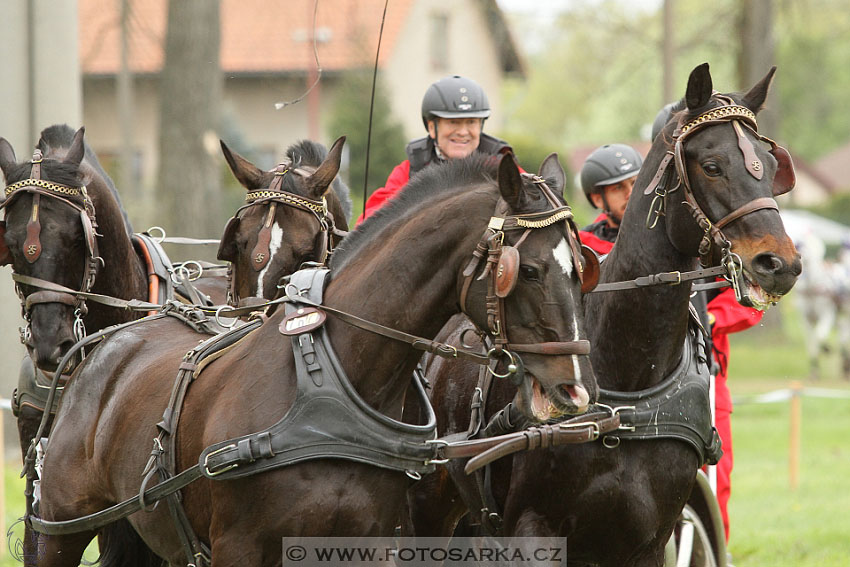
308	152
433	182
61	136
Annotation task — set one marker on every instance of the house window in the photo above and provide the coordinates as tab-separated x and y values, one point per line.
439	42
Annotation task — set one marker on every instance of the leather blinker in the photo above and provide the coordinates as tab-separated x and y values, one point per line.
590	269
5	254
785	178
227	247
507	271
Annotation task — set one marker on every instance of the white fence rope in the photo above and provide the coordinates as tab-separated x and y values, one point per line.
786	394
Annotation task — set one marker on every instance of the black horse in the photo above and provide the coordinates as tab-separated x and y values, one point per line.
618	506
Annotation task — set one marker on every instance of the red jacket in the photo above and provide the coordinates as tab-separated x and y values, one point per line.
598	245
727	316
398	178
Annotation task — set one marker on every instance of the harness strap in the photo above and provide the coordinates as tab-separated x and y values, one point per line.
669	278
129	305
582	429
751	207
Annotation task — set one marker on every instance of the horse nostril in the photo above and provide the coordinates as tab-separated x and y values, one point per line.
768	263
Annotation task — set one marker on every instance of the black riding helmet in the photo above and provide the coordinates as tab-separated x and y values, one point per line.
662	118
607	165
454	97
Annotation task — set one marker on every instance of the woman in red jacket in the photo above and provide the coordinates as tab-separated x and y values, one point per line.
453	112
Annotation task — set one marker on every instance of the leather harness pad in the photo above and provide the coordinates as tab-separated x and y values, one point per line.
328	419
677	408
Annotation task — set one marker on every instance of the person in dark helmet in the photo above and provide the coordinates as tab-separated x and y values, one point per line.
607	177
722	315
453	112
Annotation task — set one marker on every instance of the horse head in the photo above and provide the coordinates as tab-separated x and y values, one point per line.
527	295
292	215
727	175
49	235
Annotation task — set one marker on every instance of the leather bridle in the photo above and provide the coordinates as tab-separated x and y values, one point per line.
501	269
741	119
272	197
32	247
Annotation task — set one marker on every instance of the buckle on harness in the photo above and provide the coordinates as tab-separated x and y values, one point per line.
207	470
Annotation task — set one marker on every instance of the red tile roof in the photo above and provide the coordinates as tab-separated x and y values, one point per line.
257	36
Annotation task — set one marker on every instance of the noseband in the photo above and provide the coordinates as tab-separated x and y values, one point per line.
272	196
32	245
741	118
501	268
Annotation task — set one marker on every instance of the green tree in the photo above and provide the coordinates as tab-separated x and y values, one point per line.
350	117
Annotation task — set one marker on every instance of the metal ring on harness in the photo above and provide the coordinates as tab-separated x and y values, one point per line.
156	239
219	321
512	365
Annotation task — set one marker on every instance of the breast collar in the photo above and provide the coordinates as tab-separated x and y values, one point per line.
676	408
328	418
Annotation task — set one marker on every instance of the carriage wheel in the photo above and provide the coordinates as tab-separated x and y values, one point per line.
690	545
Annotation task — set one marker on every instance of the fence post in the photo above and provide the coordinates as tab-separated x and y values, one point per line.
796	418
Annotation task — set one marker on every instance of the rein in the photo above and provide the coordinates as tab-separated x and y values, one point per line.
39	187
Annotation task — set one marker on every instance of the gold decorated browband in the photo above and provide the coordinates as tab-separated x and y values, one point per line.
320	207
50	186
722	113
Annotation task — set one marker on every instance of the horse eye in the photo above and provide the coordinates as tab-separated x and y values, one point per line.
529	273
711	169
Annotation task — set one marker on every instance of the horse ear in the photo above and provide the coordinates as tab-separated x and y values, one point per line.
755	97
246	173
510	181
7	156
77	151
5	254
699	87
551	169
320	182
227	247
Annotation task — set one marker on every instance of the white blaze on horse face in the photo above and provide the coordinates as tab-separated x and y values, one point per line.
563	255
274	246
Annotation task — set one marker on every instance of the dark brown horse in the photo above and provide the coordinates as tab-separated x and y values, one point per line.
618	506
120	271
264	241
403	268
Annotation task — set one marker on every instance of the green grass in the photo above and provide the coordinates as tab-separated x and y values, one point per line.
771	524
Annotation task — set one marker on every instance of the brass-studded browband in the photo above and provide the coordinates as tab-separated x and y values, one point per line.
318	207
41	183
532	220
